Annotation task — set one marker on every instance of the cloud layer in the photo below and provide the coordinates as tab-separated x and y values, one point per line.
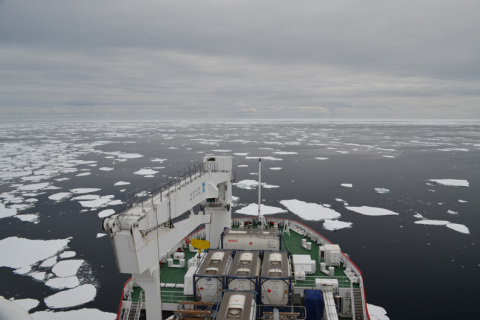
174	59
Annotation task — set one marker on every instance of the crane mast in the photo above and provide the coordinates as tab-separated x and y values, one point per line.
144	232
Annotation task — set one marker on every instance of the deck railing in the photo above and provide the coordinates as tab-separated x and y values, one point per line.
173	296
343	281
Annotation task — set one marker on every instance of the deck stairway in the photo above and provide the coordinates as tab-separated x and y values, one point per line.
357	302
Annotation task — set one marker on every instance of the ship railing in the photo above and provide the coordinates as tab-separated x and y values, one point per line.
140	305
165	186
291	312
343	281
128	306
173	296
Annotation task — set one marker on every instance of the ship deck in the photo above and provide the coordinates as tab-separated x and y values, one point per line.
172	279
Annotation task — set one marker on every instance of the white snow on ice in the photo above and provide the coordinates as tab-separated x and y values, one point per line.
80	314
252	210
20	252
451	182
67	268
285	152
101	235
454	226
59	196
347	185
121	183
84	190
6	212
71	298
30	217
61	283
275	168
106	213
146	172
67	254
382	190
333	225
33	187
321	158
372	211
377	313
252	184
310	211
105	168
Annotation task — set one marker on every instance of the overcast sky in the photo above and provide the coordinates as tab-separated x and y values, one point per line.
320	59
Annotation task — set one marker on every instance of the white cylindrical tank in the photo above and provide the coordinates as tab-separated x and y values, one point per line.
210	277
252	239
275	279
238	305
244	271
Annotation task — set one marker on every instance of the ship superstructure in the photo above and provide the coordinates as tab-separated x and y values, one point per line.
255	268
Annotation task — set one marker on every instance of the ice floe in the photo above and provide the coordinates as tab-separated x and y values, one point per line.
83	174
451	182
321	158
454	226
50	262
252	184
30	217
252	210
382	190
347	185
220	150
26	304
285	152
372	211
6	212
67	268
80	314
84	190
59	196
61	283
146	172
275	168
71	298
121	183
158	160
310	211
106	213
333	225
20	252
101	235
105	169
67	254
377	313
129	155
34	187
265	158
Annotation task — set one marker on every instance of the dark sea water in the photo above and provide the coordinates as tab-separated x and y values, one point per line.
414	271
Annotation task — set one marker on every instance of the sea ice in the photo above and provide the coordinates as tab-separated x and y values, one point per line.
222	151
106	213
48	263
252	184
462	201
73	297
243	166
130	155
158	160
27	304
121	183
336	224
377	313
83	174
84	190
101	235
285	152
105	168
63	283
264	158
81	314
59	196
458	227
145	172
347	185
30	217
382	190
321	158
67	254
33	187
67	268
252	210
95	203
20	252
433	222
451	182
310	211
241	154
372	211
6	212
276	168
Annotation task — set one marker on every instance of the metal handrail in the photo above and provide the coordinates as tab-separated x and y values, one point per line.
139	306
180	179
